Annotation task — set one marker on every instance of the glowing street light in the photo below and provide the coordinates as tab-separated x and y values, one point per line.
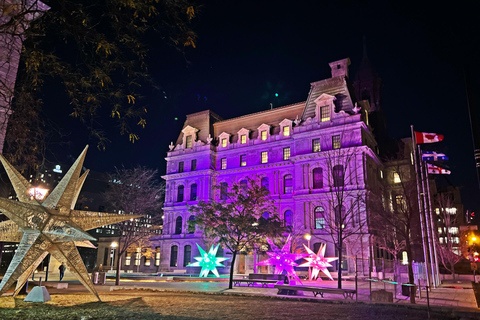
113	246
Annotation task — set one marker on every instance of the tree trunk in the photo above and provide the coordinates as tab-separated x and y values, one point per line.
453	271
411	278
230	282
340	255
117	275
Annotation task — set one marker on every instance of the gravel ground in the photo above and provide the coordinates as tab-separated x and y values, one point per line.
148	305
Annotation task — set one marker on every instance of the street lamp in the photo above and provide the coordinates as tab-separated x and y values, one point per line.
308	237
113	246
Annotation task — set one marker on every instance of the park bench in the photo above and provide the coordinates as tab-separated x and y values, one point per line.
292	290
260	278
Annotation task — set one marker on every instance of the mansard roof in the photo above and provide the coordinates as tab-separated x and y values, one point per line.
203	121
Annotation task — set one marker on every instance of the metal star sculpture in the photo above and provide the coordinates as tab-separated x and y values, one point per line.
318	262
50	226
283	259
208	261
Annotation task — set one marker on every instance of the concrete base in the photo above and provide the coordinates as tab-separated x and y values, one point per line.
38	294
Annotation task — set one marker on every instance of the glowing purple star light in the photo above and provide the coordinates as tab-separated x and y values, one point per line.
318	262
283	259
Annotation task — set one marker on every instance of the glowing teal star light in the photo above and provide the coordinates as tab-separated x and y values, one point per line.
208	261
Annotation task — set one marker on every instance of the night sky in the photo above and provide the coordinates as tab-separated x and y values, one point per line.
249	50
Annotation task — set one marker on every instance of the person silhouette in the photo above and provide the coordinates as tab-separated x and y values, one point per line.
62	271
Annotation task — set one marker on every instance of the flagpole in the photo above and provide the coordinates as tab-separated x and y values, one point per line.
426	207
430	218
414	147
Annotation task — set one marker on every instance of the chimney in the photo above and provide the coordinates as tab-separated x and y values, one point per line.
340	67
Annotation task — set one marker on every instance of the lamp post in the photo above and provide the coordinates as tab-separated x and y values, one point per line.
308	237
113	246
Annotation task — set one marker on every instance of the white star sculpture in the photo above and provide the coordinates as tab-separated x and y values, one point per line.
50	226
208	261
318	262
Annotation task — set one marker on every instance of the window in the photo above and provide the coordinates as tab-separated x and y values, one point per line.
317	178
336	144
128	259
173	256
286	131
265	183
187	255
243	139
316	246
319	218
316	145
180	166
243	160
338	176
264	156
396	178
400	202
263	135
180	191
146	262
178	225
223	163
157	256
288	220
325	113
191	225
286	153
224	142
105	256
381	174
453	230
339	216
223	191
138	256
193	166
287	184
188	142
193	192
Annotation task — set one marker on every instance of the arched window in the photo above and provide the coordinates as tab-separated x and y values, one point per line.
173	256
319	218
339	216
178	225
191	226
265	183
223	191
287	184
338	176
187	255
193	192
180	192
317	178
288	220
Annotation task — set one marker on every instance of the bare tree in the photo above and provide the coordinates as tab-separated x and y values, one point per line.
136	192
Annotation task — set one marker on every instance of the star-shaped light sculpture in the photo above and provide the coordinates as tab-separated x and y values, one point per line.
282	259
208	261
49	226
318	262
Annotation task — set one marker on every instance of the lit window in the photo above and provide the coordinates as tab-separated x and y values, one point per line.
453	230
263	135
325	113
451	210
264	156
439	230
157	256
188	141
243	139
146	262
286	131
396	178
437	210
128	259
286	153
243	160
319	218
316	145
223	163
404	258
224	143
441	240
138	256
381	174
336	142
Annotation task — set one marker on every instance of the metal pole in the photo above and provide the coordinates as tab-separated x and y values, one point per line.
426	207
356	278
432	223
414	147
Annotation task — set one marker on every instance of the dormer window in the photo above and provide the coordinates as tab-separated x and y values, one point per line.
243	136
286	131
224	139
263	135
189	136
286	128
224	142
188	142
324	110
243	139
324	113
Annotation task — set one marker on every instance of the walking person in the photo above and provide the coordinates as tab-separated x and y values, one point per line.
62	271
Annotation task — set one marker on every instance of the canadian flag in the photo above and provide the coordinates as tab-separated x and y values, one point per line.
436	170
424	137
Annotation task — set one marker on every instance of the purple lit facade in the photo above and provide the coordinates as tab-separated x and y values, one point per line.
287	146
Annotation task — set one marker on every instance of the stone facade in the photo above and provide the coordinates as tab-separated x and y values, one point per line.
296	150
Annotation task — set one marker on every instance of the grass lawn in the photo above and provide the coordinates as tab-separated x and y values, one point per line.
147	305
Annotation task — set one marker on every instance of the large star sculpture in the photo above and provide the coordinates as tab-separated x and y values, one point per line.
49	226
282	259
318	262
208	261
